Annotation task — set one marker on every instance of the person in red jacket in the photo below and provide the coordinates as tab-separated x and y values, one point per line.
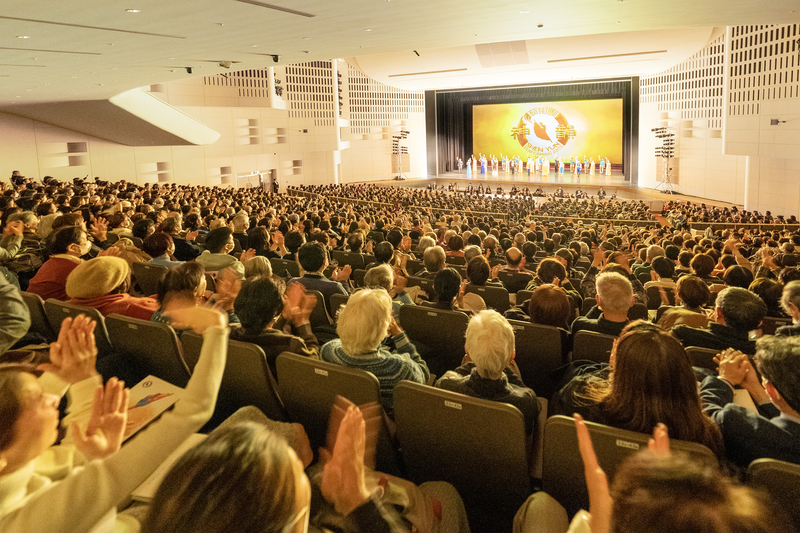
103	283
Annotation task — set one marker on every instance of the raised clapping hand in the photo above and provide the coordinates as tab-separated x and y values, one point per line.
196	318
103	435
600	502
343	476
342	274
74	354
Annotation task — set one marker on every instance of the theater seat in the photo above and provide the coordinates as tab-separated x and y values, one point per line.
592	346
308	388
151	347
39	322
438	335
781	481
57	311
247	380
148	276
476	445
562	470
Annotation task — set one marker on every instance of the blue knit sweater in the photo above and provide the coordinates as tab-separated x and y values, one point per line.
388	367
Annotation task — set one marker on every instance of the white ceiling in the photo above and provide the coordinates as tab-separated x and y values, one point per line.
94	49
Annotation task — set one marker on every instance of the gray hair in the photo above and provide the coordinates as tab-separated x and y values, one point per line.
379	277
791	295
490	342
425	243
434	258
615	292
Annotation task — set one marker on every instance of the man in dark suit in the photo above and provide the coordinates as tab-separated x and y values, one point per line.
773	432
313	258
738	312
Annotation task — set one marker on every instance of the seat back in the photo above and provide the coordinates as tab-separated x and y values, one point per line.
148	276
358	277
412	267
456	260
514	281
654	296
425	284
39	322
337	302
247	379
151	347
284	268
638	312
562	469
356	261
57	311
524	296
438	335
592	346
702	357
309	388
495	297
781	481
771	323
538	350
435	427
319	315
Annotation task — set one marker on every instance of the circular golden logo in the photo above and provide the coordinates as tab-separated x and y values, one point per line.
543	131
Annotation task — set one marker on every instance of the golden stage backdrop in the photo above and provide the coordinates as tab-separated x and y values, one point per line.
550	129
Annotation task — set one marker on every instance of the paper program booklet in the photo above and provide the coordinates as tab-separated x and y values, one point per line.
149	398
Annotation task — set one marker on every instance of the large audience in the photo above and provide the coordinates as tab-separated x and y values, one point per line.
247	264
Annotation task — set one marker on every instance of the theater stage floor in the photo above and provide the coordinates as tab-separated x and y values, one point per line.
616	182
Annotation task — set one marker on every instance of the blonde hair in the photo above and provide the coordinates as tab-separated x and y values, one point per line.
258	266
364	321
490	341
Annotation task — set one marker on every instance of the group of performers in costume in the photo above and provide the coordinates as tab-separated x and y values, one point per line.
482	165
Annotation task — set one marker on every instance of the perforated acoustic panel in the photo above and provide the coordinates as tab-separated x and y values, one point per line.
694	87
250	83
764	65
309	90
373	104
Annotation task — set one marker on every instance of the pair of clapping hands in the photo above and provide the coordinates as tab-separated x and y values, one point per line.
73	358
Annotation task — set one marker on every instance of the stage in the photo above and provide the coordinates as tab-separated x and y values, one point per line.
590	184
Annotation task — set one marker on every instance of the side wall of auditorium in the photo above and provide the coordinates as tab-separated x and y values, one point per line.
719	103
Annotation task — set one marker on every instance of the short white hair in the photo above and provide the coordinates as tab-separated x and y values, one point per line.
380	276
364	321
615	292
490	341
425	243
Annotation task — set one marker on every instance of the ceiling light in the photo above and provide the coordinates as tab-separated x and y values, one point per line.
540	25
306	38
368	29
619	22
23	36
133	11
253	46
524	11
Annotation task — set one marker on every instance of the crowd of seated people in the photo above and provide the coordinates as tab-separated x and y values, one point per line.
721	290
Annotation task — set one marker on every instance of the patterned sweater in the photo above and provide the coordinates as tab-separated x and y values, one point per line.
388	367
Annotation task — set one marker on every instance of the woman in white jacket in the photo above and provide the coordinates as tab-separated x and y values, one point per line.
85	498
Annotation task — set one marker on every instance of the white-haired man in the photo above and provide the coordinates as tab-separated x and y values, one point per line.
614	298
488	370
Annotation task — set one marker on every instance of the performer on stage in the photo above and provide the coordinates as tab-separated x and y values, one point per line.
483	164
469	168
578	167
608	167
545	166
585	164
591	167
474	164
561	167
528	164
602	165
460	164
572	164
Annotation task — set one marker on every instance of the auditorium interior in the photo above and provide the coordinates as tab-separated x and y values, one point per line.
296	96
